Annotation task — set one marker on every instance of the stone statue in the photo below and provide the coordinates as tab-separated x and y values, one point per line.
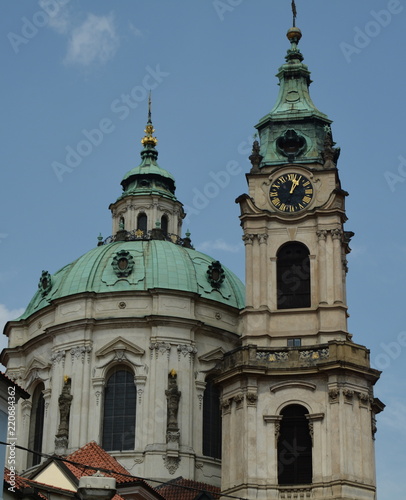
172	396
65	401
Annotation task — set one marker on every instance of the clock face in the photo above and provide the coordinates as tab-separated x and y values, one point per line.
291	193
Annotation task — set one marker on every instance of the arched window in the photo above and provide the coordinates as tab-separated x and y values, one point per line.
211	420
36	425
293	276
294	447
164	224
120	397
142	222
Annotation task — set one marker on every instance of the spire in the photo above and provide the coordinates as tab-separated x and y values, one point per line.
149	141
149	177
294	129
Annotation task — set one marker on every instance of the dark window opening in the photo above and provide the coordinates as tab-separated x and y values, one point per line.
294	342
142	222
119	411
294	447
211	420
293	276
164	224
36	425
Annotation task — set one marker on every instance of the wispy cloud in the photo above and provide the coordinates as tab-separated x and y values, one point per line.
59	16
357	251
134	30
94	41
208	246
394	416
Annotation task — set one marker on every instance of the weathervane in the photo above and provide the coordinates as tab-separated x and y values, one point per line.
294	12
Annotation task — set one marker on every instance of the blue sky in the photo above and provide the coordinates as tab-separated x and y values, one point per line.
67	76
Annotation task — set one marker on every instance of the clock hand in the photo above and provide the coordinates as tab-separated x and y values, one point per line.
295	183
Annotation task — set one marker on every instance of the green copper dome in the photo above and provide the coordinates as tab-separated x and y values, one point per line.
140	266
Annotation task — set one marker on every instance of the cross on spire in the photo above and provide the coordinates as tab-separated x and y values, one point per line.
294	12
149	107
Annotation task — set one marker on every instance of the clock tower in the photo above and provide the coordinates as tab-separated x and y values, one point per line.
297	395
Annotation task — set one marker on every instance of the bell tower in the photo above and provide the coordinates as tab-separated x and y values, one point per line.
293	220
297	395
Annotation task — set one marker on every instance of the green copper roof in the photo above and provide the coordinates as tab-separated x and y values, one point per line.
153	264
148	178
294	123
294	99
148	168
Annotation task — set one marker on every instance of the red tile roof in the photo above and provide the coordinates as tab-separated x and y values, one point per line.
186	489
20	483
92	454
11	383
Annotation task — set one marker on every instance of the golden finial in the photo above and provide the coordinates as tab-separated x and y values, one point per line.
149	129
172	373
66	379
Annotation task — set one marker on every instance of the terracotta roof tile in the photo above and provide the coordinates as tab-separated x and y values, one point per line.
186	489
20	483
10	382
92	454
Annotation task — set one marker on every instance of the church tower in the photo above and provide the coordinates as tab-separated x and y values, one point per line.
297	395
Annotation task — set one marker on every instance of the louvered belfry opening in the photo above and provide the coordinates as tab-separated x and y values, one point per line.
293	276
294	447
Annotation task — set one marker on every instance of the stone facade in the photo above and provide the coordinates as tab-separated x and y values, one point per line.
84	337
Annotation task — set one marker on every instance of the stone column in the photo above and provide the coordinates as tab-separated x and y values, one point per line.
87	410
47	437
276	421
273	284
198	423
338	265
23	432
263	268
80	368
173	395
322	235
256	273
248	242
94	425
318	453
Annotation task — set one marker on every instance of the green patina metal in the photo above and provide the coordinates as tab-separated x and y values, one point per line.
148	178
294	120
156	265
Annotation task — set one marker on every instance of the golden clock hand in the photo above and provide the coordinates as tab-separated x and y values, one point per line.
295	183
